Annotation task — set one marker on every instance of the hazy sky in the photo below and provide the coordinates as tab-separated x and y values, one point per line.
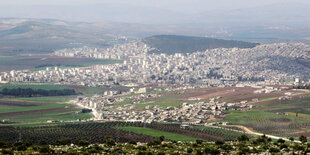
138	11
175	5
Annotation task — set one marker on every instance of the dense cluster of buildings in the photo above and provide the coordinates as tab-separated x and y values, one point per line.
275	62
106	108
119	51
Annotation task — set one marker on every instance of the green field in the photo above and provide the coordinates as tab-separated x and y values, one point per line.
164	105
30	108
44	99
259	117
123	103
156	133
283	118
34	87
29	113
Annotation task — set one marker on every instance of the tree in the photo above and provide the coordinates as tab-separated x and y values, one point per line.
44	149
162	138
189	150
109	141
303	139
133	142
219	142
274	150
281	141
243	138
199	141
63	141
42	142
291	139
2	144
83	143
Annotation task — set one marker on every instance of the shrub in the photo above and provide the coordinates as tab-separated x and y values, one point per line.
243	138
219	142
303	139
44	149
63	141
274	150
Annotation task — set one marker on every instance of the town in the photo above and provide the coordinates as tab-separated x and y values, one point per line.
273	62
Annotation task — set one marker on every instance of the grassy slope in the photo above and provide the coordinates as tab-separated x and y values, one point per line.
40	107
156	133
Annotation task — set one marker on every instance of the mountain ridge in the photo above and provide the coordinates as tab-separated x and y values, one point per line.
171	44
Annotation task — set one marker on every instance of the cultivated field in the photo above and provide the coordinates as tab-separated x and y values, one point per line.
120	131
26	112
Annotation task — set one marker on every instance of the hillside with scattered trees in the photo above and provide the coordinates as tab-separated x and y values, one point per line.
171	44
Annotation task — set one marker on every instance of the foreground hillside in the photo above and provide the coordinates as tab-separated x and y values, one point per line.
160	146
171	44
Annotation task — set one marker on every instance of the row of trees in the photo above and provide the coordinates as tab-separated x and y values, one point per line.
302	87
28	92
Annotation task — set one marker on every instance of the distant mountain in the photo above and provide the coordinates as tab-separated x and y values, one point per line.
171	44
23	36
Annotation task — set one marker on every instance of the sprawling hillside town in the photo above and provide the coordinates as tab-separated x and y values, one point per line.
275	62
271	63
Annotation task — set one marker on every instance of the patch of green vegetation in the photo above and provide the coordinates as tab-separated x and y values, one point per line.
171	44
164	105
45	99
258	117
34	87
40	107
123	103
156	133
295	102
299	114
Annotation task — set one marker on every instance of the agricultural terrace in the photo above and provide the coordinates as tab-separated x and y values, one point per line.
277	117
95	132
156	133
24	112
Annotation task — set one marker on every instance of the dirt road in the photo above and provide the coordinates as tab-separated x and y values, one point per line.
249	131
